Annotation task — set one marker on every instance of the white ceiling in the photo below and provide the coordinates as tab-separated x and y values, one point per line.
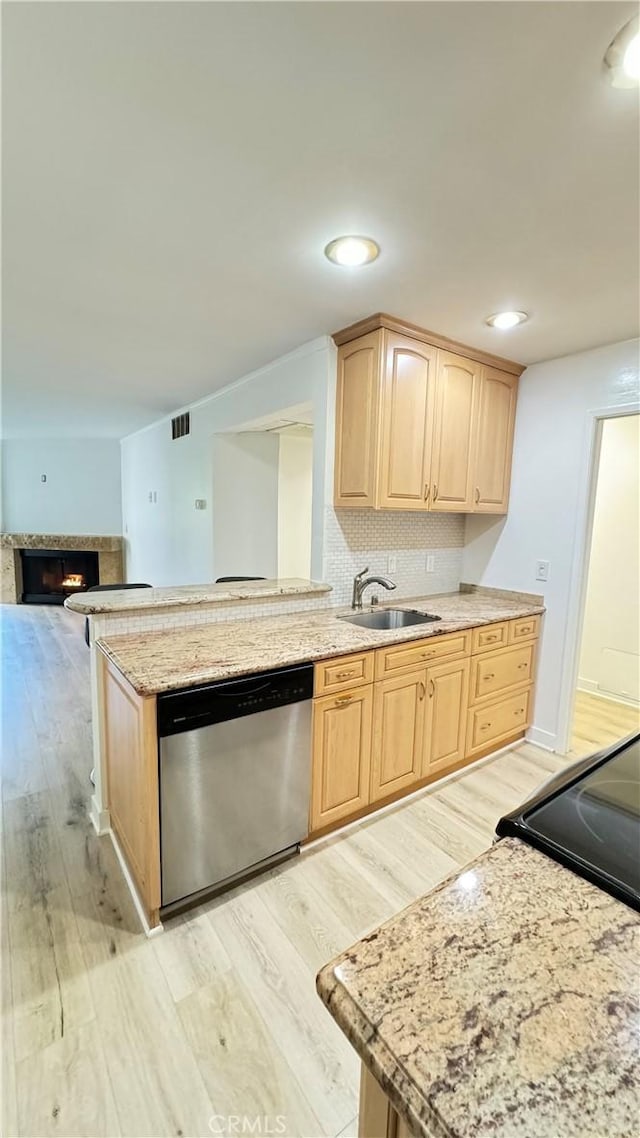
173	171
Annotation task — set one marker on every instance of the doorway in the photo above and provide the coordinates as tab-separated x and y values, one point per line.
262	496
607	695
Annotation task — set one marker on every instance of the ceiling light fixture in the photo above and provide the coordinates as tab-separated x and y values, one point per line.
351	252
622	59
505	320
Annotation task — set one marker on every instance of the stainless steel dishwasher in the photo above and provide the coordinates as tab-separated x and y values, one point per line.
235	778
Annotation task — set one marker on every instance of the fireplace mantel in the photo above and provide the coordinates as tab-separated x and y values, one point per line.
84	543
108	547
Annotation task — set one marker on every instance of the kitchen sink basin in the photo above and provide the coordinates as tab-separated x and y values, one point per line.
390	618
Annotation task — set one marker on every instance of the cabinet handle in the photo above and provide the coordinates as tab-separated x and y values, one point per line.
477	494
423	690
435	491
485	726
344	675
342	699
493	636
490	676
523	666
428	655
432	688
524	628
426	491
519	711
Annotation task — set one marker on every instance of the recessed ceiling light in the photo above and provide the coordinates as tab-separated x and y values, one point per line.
504	320
352	251
622	59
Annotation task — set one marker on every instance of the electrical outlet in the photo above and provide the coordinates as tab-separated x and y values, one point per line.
201	504
542	570
431	562
392	563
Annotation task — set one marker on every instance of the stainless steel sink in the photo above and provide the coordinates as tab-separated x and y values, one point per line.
390	618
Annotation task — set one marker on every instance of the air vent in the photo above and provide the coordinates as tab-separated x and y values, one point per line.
180	426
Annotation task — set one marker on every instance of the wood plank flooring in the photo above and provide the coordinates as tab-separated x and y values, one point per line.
108	1033
598	722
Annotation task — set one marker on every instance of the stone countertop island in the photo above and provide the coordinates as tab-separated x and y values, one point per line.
504	1004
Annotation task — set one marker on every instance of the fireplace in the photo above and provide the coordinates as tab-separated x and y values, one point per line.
50	575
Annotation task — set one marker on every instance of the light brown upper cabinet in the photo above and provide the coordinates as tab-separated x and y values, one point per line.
454	433
357	410
494	441
421	423
408	388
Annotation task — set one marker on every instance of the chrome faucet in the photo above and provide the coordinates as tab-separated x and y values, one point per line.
360	582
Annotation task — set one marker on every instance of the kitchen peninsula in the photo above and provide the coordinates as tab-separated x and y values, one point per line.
461	687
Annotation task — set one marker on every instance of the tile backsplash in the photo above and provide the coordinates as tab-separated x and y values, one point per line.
357	538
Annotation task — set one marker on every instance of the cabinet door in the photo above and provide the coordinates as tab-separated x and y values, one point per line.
357	399
341	755
408	389
494	441
453	464
398	725
446	716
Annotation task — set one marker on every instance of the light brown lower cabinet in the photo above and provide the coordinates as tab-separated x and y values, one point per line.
341	755
434	705
398	733
131	758
445	728
376	1116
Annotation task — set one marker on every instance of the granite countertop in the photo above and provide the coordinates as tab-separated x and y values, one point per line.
153	662
502	1004
174	596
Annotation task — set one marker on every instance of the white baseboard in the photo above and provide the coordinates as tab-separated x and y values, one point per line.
148	931
591	686
101	819
545	739
586	685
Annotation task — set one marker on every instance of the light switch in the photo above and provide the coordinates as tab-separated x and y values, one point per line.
542	570
201	504
431	562
392	563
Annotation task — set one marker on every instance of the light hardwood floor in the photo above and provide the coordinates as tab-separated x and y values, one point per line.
108	1033
598	722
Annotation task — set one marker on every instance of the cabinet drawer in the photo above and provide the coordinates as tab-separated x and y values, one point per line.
498	672
342	672
527	628
498	721
489	637
401	657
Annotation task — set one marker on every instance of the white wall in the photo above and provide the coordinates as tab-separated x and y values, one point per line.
169	541
245	504
610	651
81	495
548	507
295	484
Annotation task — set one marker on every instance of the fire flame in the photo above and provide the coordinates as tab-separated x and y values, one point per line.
73	581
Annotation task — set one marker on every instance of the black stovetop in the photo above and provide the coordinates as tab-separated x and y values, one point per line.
588	818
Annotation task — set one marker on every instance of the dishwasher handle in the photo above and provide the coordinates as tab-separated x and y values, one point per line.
190	708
